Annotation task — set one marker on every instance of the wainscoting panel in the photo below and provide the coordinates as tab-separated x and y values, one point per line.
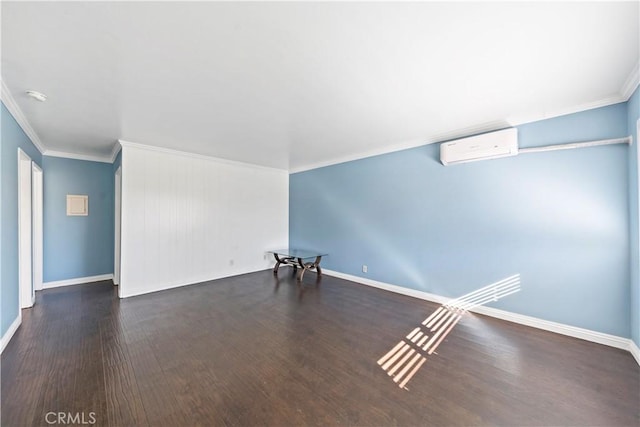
189	218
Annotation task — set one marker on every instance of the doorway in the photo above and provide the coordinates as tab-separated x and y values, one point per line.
30	229
25	247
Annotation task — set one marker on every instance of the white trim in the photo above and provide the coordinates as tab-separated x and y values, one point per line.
559	328
37	225
117	247
465	132
116	149
625	93
635	351
388	287
632	82
407	145
531	118
197	156
87	157
184	284
77	281
633	347
11	331
25	230
11	104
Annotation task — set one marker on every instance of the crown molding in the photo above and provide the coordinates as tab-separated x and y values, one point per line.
407	145
630	85
632	82
530	118
628	88
116	149
171	151
11	104
464	132
74	156
361	155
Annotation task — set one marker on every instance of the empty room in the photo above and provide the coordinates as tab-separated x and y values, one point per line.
320	213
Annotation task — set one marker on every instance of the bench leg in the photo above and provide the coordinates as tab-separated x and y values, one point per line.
309	266
278	262
286	260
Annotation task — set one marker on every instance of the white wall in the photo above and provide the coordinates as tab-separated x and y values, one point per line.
188	219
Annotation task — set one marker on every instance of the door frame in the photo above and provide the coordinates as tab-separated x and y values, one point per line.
37	225
117	227
25	263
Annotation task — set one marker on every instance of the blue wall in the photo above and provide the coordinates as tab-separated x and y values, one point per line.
77	246
560	219
12	137
633	114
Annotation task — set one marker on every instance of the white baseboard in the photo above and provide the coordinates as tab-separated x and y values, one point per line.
12	330
559	328
635	351
124	294
389	287
76	281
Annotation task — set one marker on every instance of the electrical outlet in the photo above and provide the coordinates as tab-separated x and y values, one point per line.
365	268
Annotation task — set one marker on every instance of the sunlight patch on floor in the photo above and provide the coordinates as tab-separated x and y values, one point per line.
407	357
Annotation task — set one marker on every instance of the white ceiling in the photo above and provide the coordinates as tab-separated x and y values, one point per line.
293	85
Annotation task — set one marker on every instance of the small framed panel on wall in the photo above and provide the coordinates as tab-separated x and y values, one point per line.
77	205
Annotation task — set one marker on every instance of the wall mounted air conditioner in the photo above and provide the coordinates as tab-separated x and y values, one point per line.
492	145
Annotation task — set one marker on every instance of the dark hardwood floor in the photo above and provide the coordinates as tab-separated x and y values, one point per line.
252	350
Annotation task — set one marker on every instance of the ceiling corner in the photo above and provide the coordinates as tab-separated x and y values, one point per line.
11	104
632	82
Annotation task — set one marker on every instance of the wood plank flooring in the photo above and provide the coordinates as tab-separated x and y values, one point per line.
256	350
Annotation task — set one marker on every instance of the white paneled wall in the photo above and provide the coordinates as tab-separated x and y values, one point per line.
188	219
